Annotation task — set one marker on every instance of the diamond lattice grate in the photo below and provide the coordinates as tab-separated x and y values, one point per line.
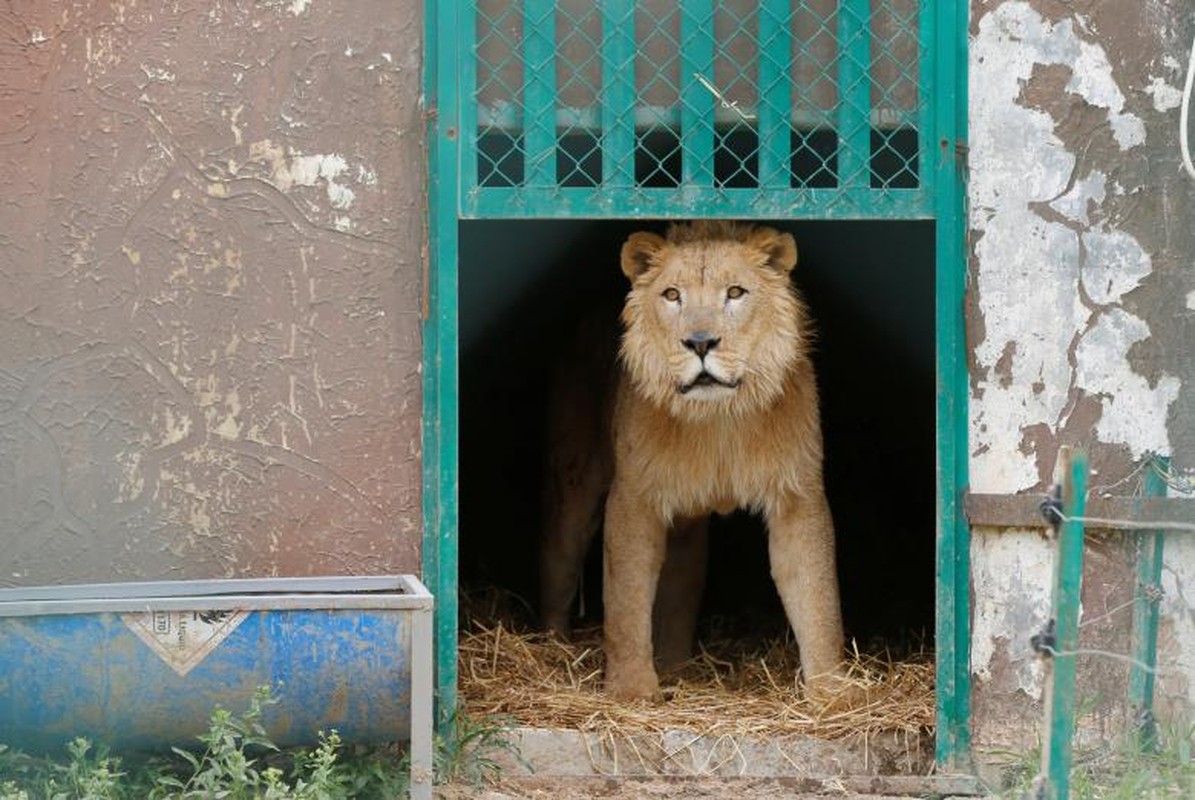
621	108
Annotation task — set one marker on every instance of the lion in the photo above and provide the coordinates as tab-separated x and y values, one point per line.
711	406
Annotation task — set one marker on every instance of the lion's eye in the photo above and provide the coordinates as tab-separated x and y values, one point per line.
735	292
671	294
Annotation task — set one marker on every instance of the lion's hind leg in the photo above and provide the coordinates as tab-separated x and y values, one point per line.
678	595
572	517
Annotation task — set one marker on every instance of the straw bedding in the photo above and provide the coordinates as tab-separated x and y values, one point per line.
731	687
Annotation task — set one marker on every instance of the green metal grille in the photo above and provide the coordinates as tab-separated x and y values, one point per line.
818	109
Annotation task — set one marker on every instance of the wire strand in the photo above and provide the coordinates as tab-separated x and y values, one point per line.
1090	651
1128	524
1184	116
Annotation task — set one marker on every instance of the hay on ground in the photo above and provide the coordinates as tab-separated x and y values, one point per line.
735	687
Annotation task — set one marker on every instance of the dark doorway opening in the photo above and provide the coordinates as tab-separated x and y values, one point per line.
870	287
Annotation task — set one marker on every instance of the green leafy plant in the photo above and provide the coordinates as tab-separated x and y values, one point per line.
1121	770
237	760
469	756
95	777
366	772
225	768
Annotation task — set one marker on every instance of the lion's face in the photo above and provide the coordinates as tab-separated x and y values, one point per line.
712	323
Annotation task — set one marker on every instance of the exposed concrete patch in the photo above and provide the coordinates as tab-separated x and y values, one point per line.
1165	97
1176	643
290	169
1113	264
1007	565
1092	80
1084	196
1134	413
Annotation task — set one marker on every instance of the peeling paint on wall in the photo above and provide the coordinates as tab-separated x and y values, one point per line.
1053	265
1081	283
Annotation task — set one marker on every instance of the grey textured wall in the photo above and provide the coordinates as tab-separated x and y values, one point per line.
210	256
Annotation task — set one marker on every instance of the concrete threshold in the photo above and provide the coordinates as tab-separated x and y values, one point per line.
871	765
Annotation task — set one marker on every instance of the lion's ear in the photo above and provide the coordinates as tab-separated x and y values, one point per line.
640	253
781	248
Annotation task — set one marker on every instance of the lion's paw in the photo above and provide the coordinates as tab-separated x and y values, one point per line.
834	693
632	684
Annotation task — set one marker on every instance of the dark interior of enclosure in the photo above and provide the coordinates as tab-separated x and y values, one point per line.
870	287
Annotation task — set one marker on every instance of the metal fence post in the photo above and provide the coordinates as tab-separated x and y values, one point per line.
1061	637
1145	610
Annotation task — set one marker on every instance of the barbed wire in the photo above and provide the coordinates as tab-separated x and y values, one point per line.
1108	613
1173	480
1104	490
1154	463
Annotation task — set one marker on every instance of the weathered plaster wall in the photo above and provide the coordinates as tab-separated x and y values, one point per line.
1080	319
210	237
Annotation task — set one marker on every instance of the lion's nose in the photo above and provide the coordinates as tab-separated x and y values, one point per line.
701	342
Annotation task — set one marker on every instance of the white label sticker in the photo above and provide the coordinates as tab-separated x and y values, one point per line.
183	638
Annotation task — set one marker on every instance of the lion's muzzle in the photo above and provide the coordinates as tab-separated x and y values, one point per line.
700	342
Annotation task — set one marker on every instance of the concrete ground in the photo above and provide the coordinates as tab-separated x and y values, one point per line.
658	788
671	765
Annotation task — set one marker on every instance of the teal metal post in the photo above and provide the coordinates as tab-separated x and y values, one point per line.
440	388
697	101
775	47
1068	584
539	92
1150	546
946	32
854	94
929	35
618	93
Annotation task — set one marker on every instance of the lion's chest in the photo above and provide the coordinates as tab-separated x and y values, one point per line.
695	471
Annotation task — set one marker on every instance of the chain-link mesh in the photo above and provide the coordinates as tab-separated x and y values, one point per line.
757	101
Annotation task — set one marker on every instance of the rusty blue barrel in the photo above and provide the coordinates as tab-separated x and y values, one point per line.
140	666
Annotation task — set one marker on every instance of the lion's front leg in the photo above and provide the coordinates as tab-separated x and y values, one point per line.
801	549
635	539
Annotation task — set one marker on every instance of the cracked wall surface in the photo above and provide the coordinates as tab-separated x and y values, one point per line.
1079	326
210	237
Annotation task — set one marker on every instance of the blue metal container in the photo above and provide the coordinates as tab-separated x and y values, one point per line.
141	665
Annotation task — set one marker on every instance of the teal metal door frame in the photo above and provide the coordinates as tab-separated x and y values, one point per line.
952	646
945	26
440	450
